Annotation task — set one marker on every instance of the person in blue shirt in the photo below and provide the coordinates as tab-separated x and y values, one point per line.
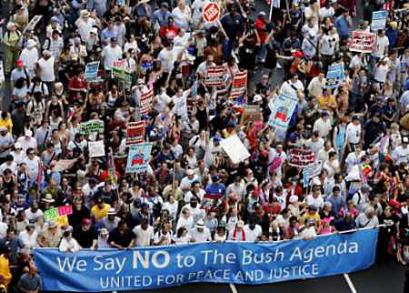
162	15
343	23
109	32
233	25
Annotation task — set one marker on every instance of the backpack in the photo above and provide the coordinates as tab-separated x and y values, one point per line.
351	194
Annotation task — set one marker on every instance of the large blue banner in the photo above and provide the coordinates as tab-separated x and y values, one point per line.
239	263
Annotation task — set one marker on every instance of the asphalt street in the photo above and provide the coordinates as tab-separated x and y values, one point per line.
385	278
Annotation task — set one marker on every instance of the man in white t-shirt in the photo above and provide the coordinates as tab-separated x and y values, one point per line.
200	233
354	130
45	67
401	153
144	234
381	45
167	58
253	231
323	125
111	53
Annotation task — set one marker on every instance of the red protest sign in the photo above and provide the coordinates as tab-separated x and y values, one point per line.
145	102
135	132
64	210
363	42
211	12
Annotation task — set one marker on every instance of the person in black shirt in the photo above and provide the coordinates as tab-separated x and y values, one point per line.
79	212
85	234
121	236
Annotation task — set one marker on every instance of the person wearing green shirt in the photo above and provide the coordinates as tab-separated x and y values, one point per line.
11	48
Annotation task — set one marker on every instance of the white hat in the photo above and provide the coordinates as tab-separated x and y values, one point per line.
200	224
189	172
17	145
31	43
257	98
111	211
48	198
94	30
240	224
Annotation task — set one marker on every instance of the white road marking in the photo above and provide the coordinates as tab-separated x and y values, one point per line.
233	288
350	284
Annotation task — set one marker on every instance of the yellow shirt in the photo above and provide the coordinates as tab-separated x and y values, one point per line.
98	213
5	270
307	217
327	103
6	123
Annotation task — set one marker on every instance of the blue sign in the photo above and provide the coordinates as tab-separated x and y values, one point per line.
335	75
91	71
282	111
229	262
138	157
379	20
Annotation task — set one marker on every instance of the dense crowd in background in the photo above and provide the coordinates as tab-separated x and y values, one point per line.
192	192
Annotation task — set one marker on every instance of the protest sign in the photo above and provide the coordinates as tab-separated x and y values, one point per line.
91	71
135	132
301	158
235	149
215	76
96	149
284	106
54	213
311	172
379	20
363	42
239	85
211	11
33	23
251	113
213	262
62	165
145	102
119	71
51	215
92	126
335	76
138	158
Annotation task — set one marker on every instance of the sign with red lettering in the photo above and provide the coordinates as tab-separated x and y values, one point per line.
135	132
363	42
211	12
301	158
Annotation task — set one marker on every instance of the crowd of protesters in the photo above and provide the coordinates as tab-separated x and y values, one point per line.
192	192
